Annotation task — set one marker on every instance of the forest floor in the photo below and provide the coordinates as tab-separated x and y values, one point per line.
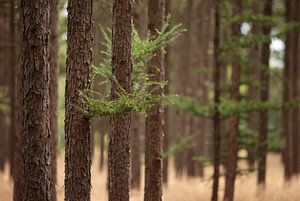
185	189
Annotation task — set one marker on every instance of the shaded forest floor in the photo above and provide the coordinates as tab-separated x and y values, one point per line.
185	189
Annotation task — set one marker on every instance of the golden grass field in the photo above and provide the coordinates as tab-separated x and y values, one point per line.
186	189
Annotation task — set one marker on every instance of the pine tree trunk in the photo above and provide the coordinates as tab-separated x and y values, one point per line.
77	125
154	120
294	90
36	153
217	93
231	163
119	144
253	90
53	91
264	96
286	115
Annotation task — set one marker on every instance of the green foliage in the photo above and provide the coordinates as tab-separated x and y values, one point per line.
183	144
227	107
140	99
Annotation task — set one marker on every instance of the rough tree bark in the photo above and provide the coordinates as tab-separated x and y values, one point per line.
35	93
119	144
217	93
264	96
154	120
231	163
77	125
53	91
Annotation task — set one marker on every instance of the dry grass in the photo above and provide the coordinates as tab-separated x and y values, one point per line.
187	189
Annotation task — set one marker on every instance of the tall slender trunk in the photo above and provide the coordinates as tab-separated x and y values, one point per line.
264	96
295	91
253	90
36	155
231	163
119	145
217	93
53	91
77	125
154	120
286	115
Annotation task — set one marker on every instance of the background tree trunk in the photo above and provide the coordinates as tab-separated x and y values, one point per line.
154	120
264	96
77	125
217	93
286	115
231	163
119	144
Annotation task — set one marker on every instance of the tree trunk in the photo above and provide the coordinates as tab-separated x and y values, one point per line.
35	90
119	144
286	115
53	91
231	163
264	96
154	120
217	93
253	89
294	89
77	125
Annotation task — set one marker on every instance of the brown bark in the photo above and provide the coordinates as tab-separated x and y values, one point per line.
231	163
119	144
294	90
217	93
286	115
53	91
36	153
154	120
264	96
77	125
